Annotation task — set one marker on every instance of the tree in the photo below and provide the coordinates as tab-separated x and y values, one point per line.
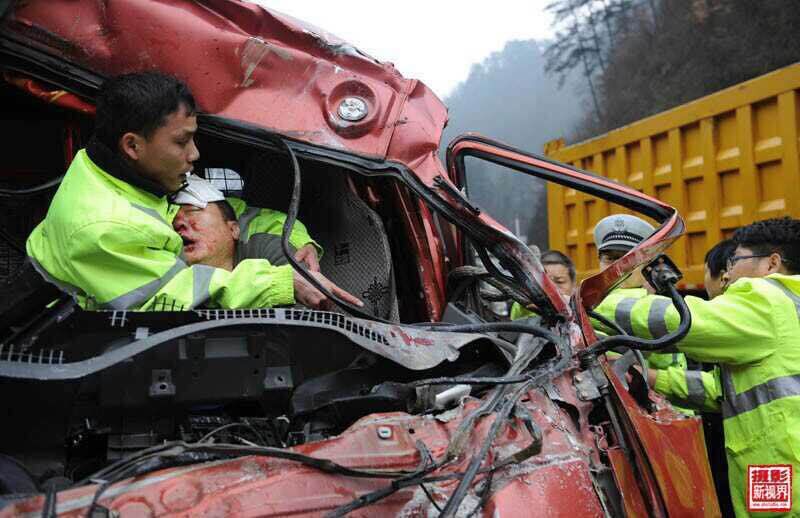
663	53
580	41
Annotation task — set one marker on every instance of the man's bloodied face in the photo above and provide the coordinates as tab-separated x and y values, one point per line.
207	237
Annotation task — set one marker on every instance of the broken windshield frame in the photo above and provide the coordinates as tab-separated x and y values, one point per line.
594	288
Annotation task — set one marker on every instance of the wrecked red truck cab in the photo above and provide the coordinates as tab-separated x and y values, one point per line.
421	405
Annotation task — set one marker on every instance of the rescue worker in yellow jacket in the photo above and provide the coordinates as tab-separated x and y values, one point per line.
615	236
695	389
753	332
107	238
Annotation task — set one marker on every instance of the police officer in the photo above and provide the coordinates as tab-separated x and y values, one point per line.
107	237
753	332
615	236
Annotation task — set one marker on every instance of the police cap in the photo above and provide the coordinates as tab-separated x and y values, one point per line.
620	232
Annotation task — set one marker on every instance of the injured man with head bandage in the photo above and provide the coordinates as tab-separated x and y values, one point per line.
222	232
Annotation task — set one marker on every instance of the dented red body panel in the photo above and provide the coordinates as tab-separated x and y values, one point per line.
557	484
249	64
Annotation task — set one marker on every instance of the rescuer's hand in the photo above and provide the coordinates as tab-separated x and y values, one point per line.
308	255
651	375
306	294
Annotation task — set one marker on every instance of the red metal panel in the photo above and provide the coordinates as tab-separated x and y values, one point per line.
676	452
569	484
241	61
628	487
557	480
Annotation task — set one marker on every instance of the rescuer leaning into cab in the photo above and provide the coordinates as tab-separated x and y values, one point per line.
107	239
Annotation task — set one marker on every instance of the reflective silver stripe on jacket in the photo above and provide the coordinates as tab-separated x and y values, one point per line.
201	284
244	222
789	293
622	314
657	317
763	393
696	392
150	212
777	388
66	287
135	298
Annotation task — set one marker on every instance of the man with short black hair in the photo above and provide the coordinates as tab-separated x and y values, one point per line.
752	331
108	239
715	277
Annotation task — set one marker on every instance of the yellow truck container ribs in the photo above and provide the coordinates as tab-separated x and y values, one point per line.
723	161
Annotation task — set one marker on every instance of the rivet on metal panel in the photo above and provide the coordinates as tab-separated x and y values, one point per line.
353	109
385	432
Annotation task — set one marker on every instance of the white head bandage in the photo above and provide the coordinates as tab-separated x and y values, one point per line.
198	192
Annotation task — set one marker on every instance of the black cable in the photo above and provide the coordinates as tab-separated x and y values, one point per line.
561	360
507	380
103	487
644	344
616	327
31	190
487	490
606	322
501	419
490	266
178	447
430	497
291	217
501	281
466	426
49	509
127	468
427	465
421	480
249	427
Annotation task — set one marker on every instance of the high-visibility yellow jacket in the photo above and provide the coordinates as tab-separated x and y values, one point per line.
694	389
266	226
753	332
517	312
111	245
622	298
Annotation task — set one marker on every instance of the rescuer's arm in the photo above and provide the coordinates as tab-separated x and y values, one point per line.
120	267
698	390
736	327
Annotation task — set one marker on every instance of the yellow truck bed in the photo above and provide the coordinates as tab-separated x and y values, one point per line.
723	161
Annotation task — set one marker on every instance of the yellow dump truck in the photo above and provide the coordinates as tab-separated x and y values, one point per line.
724	161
